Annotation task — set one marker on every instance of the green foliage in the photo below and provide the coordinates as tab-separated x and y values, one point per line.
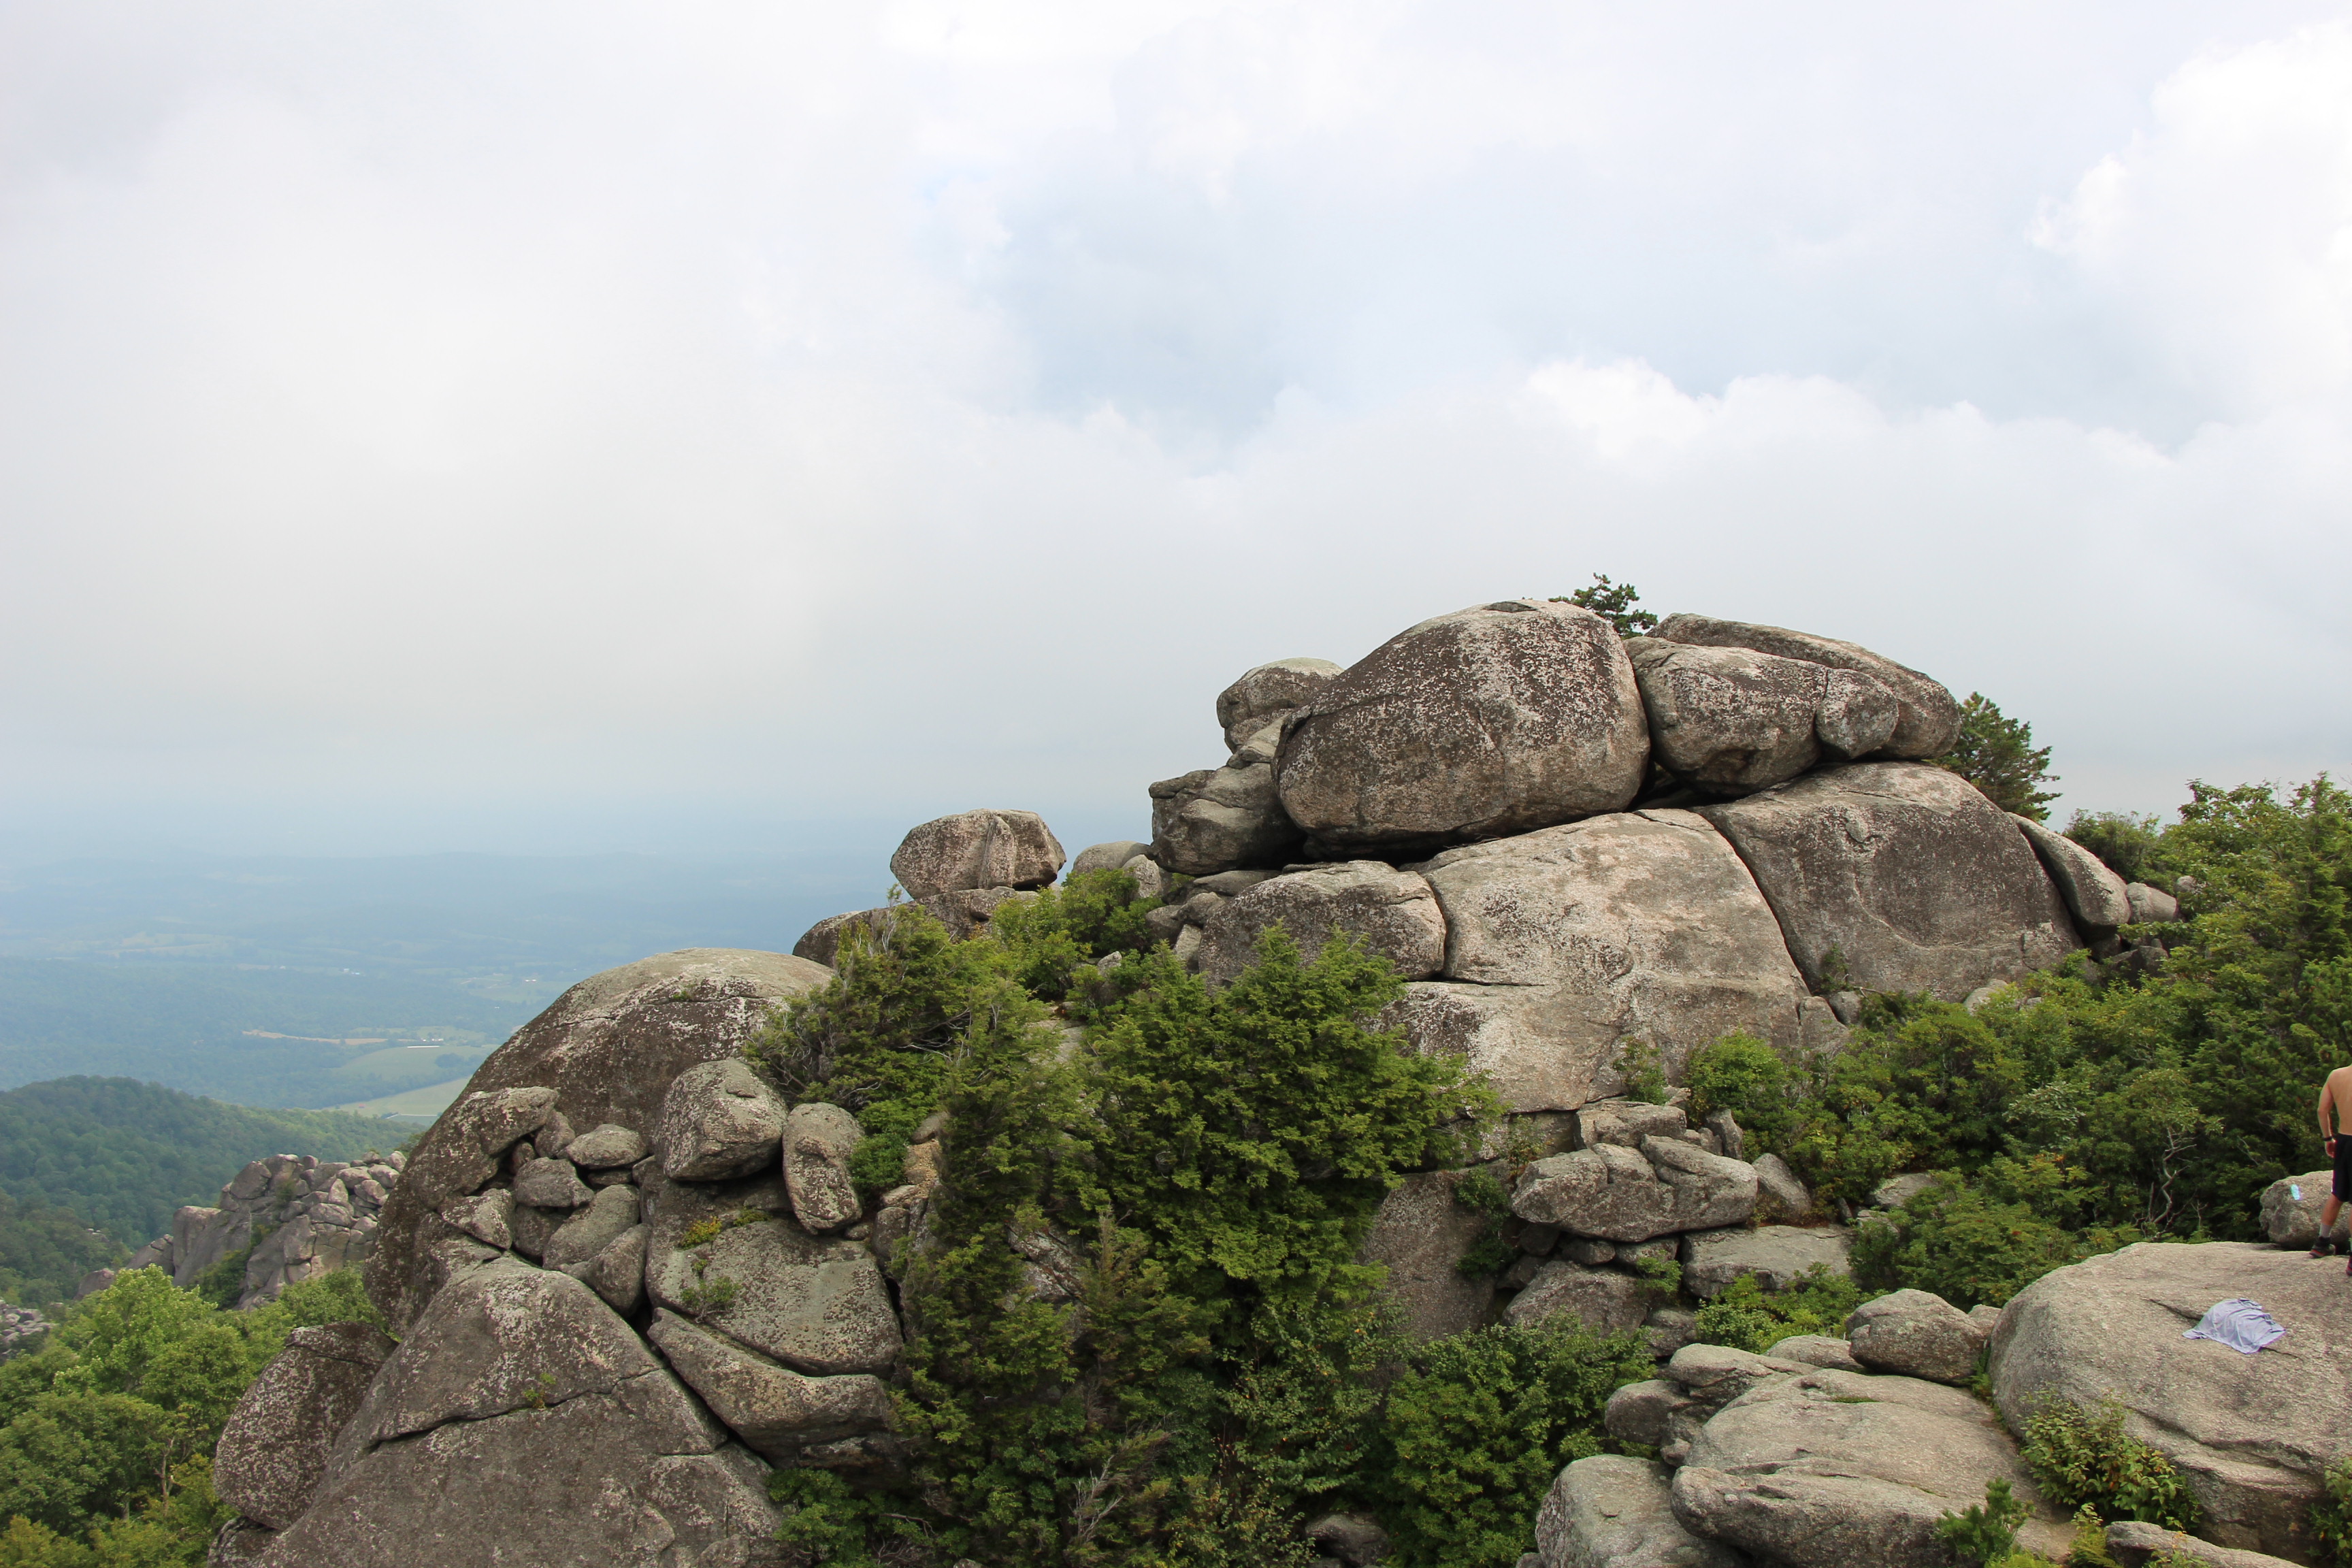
1983	1241
1747	1317
1743	1075
1613	603
1645	1072
825	1521
125	1156
1089	917
2131	846
1998	755
1478	1424
2085	1460
2089	1547
1985	1532
2331	1516
1482	1192
44	1251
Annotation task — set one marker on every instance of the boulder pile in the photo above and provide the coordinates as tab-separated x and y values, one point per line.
295	1216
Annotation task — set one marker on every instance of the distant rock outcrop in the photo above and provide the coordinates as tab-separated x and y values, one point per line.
295	1218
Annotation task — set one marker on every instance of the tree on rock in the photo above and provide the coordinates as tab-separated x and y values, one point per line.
1998	755
1613	603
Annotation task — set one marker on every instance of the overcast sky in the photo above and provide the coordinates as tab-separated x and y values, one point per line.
579	426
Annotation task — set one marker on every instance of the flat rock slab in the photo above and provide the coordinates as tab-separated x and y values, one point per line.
1778	1256
2251	1433
1418	1235
1906	872
777	1410
1611	1512
1623	1194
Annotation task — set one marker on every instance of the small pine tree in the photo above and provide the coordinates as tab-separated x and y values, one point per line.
1613	603
1998	755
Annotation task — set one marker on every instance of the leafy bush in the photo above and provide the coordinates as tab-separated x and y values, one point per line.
1746	1077
1482	1192
2131	846
1613	603
1747	1317
2331	1516
2086	1459
1968	1246
1985	1532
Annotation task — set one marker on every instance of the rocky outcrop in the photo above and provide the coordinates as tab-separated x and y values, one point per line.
1730	721
977	849
1665	1188
2291	1207
1224	819
20	1327
296	1217
2250	1434
1419	1233
1898	877
1609	1512
1268	693
1777	1255
273	1451
2097	898
1928	721
1392	912
1496	719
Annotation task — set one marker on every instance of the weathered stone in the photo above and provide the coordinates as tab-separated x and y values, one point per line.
719	1121
2251	1434
551	1184
775	1410
1351	1538
1817	1350
1606	1300
1539	1048
1269	691
1731	720
487	1218
1669	1329
1779	1195
1927	722
1626	1123
821	943
617	1272
966	910
1392	912
1646	922
273	1451
592	1229
1896	1191
605	1147
1828	1467
1150	880
464	1148
1224	819
1906	872
2134	1541
1916	1333
2096	896
1107	857
1623	1196
817	1305
2291	1207
1643	1412
818	1142
2150	904
1496	719
1611	1512
609	1048
1418	1235
530	1229
239	1543
521	1424
977	849
1717	1374
1778	1256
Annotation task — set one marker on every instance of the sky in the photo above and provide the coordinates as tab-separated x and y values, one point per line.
561	428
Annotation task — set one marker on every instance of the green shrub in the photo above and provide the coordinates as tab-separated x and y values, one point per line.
2086	1459
1747	1317
1746	1077
1967	1245
2131	846
1998	755
2331	1516
1645	1072
1985	1532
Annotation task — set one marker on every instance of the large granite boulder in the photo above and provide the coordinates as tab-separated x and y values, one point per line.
273	1450
974	849
1392	912
2291	1207
1222	819
2251	1434
1418	1236
1495	720
1777	1255
1928	721
774	1409
1539	1048
821	943
1611	1512
1824	1467
1642	925
1906	872
718	1120
1606	1300
819	1139
522	1425
608	1050
1731	722
1265	694
1107	857
2096	896
1917	1333
1622	1194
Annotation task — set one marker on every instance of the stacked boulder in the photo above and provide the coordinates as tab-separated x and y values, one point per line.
295	1216
959	869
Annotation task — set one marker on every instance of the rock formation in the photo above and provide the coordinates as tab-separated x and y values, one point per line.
295	1216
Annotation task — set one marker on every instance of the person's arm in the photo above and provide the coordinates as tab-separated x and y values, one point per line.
2327	1105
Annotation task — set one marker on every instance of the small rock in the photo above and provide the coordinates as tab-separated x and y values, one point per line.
775	1410
1393	913
1603	1300
487	1218
1591	1251
1641	1412
273	1452
2291	1207
2150	905
607	1146
618	1272
718	1120
818	1142
1612	1511
975	849
1351	1538
1896	1191
1779	1195
1669	1329
1269	691
592	1229
1817	1349
1106	857
1916	1333
550	1184
2137	1541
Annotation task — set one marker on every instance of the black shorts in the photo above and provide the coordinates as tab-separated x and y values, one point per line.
2343	1164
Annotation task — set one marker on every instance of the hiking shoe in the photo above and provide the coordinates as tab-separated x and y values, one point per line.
2325	1247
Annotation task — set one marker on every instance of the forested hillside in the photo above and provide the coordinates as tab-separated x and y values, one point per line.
44	1251
123	1155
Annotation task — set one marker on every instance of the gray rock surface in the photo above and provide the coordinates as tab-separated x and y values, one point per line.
1611	1512
1916	1333
296	1217
1644	925
592	1228
1817	1350
617	1272
718	1120
1779	1193
1731	720
1606	1300
608	1048
2134	1541
1644	1411
522	1425
551	1184
273	1451
1626	1123
2096	896
1779	1256
1928	721
1622	1194
775	1410
974	849
1353	1538
2150	904
1269	691
1907	873
817	1305
1495	720
1419	1233
1540	1048
607	1146
1393	913
1896	1191
819	1139
1107	857
1828	1467
2291	1207
821	943
1224	819
2251	1434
